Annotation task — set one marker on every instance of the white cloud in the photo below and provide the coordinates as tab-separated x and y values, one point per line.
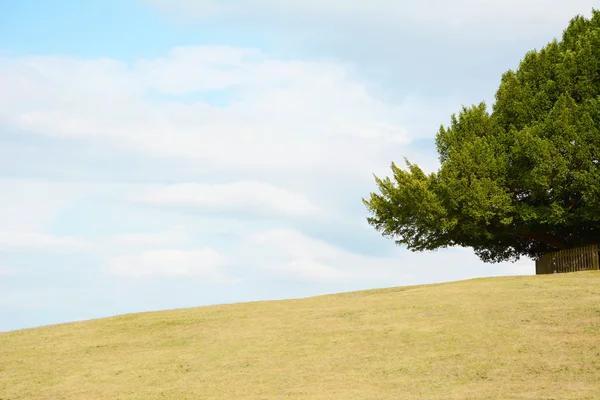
294	244
283	114
173	235
30	205
292	254
309	270
524	266
21	207
35	241
522	15
205	264
7	271
305	120
238	196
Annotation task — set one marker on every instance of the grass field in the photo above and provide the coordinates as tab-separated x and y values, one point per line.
532	337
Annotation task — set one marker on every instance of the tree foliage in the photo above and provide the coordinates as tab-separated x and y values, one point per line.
519	181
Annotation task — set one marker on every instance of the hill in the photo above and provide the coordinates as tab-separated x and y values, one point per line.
532	337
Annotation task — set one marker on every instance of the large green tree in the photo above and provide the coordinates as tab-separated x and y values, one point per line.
519	181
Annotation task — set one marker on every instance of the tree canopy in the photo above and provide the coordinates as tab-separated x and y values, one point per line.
522	180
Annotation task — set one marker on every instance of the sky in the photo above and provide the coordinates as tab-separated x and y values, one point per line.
160	154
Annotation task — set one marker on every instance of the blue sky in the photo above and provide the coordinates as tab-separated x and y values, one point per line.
162	154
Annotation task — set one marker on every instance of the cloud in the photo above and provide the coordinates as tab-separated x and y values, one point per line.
292	255
308	270
433	48
173	235
21	208
280	114
225	114
524	16
7	271
238	196
296	256
525	266
35	241
205	264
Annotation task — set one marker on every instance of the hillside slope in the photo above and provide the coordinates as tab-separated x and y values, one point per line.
499	338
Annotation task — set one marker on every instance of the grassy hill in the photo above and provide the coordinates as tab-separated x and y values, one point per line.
499	338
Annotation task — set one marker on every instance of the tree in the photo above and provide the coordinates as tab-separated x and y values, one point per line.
519	181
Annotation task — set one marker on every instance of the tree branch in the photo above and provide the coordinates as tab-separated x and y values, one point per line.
545	238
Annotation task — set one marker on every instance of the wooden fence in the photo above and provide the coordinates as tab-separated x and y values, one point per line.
570	260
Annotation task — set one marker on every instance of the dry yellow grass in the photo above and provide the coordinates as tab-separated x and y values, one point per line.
500	338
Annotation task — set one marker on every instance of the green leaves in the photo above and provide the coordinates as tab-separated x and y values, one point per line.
522	180
409	209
